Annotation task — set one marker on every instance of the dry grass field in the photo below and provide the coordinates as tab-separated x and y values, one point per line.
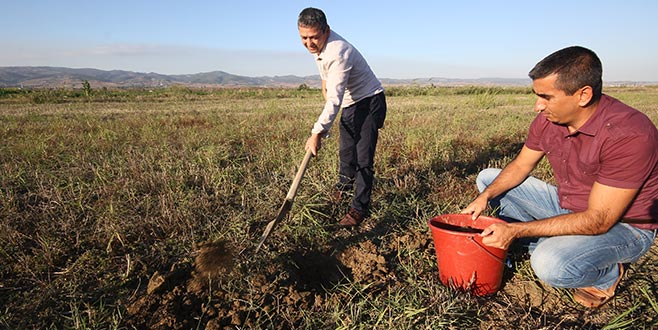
141	209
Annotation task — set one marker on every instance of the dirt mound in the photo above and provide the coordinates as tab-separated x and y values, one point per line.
178	298
365	263
192	294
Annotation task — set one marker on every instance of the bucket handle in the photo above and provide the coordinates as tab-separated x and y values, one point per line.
486	251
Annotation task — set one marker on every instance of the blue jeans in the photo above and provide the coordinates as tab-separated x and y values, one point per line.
571	261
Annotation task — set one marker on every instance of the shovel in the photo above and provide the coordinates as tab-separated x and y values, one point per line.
287	204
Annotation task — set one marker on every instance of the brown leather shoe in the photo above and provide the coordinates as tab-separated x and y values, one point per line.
593	297
353	218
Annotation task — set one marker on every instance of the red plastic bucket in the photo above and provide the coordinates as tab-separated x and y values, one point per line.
464	262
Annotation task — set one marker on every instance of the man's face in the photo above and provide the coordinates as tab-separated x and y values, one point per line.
557	106
313	38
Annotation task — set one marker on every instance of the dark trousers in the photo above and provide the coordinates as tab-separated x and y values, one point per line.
359	130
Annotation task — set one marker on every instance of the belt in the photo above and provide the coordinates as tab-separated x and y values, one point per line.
627	220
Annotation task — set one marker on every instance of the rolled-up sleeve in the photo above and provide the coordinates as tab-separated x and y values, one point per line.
336	77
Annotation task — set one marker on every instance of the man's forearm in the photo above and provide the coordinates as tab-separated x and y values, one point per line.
324	90
578	223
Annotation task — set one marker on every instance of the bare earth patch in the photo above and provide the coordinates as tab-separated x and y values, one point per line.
283	292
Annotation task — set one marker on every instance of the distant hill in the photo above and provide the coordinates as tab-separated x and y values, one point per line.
57	77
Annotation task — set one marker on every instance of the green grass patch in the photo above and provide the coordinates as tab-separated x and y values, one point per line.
101	193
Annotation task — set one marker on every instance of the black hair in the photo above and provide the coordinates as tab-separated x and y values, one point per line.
576	67
313	17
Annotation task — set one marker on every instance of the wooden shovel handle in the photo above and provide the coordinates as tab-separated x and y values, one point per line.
298	178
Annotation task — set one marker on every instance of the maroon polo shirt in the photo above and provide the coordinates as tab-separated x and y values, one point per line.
617	147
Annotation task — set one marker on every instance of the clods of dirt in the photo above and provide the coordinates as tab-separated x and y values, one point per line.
181	297
366	264
270	291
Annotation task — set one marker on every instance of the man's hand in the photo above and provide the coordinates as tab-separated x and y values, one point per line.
476	207
313	144
499	235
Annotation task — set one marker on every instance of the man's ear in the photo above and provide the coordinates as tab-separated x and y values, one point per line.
585	96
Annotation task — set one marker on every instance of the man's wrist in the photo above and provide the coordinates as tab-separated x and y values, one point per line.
485	195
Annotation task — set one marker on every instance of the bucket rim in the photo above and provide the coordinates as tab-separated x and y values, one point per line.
464	217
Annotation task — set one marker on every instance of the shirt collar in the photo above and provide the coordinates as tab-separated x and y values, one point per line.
594	123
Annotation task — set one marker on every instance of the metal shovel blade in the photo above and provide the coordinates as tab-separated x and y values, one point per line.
287	203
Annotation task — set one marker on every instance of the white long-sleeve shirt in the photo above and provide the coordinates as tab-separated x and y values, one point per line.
348	78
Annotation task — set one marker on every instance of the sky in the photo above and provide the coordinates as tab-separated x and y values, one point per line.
400	39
